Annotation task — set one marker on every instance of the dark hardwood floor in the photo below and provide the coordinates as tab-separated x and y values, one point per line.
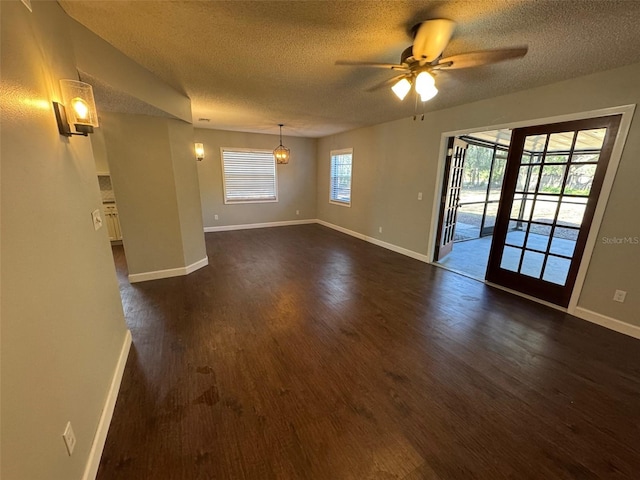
302	353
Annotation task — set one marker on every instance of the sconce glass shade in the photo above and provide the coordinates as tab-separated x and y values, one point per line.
401	88
199	149
80	105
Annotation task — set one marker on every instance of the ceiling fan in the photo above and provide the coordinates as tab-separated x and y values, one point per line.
422	60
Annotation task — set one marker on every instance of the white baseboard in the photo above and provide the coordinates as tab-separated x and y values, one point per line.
203	262
246	226
168	273
608	322
91	469
376	241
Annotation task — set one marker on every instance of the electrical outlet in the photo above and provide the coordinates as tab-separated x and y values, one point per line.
619	296
215	217
297	212
379	229
419	195
69	438
97	219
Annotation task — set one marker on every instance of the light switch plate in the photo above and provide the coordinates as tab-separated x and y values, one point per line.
97	219
619	296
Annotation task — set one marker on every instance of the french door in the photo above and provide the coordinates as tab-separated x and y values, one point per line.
450	199
553	178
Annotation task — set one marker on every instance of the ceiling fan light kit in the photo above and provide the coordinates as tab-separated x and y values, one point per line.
401	88
424	58
426	86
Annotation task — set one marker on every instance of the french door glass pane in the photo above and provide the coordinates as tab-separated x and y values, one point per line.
580	179
545	209
556	270
532	264
571	214
563	241
590	139
511	258
521	207
516	234
535	143
528	178
585	157
526	158
538	237
552	178
553	158
560	142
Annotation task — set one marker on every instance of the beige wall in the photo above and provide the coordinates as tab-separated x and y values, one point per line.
396	160
62	321
152	169
185	174
296	180
99	150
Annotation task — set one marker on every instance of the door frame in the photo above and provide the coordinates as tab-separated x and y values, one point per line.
447	181
626	111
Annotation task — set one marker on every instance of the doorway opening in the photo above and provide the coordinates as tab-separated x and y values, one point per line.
519	216
109	205
472	187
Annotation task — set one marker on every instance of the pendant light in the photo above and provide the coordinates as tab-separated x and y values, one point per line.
281	153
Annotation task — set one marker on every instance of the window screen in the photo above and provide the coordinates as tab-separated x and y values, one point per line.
249	176
340	188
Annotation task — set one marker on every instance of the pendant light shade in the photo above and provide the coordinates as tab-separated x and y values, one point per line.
281	153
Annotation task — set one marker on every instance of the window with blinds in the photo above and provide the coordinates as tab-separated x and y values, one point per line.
249	176
340	187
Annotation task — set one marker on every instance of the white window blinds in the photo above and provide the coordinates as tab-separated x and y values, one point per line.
340	188
249	176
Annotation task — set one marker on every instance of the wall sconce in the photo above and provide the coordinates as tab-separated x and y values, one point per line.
199	148
80	109
281	152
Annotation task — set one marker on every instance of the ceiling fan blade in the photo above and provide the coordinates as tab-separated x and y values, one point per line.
388	66
432	36
484	57
386	83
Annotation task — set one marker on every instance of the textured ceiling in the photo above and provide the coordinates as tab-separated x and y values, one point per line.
109	99
249	65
